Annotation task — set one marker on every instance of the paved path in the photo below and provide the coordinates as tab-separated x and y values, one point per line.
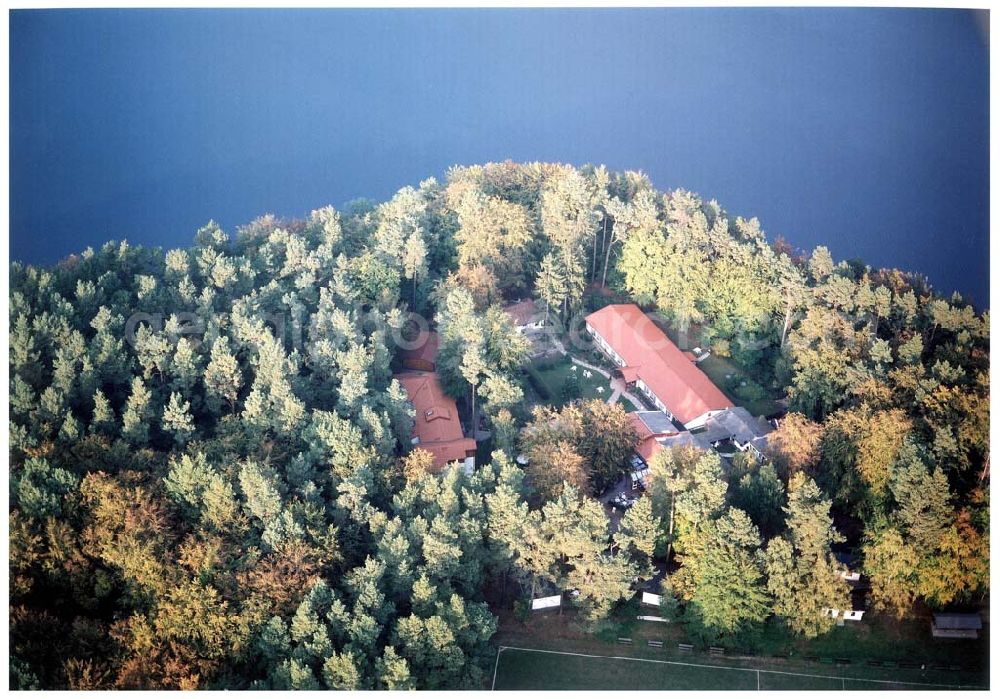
618	387
616	393
585	365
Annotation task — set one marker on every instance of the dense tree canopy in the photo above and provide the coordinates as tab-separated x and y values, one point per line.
212	482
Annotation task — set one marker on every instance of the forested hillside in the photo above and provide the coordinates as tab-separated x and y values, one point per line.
212	482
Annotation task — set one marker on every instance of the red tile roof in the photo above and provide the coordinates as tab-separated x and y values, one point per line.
522	313
651	356
647	446
437	423
640	427
424	351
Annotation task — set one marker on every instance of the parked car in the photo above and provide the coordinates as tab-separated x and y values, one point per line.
638	479
624	500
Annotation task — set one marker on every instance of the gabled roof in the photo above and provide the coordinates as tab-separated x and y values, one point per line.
656	432
684	439
651	356
522	313
646	447
437	423
735	423
425	348
640	426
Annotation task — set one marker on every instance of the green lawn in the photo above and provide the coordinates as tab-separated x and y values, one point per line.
525	669
718	368
555	375
879	637
626	404
518	669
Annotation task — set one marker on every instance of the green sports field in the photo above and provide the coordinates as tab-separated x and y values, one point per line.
518	668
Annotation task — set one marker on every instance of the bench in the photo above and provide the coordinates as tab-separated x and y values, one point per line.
654	644
625	641
715	650
685	647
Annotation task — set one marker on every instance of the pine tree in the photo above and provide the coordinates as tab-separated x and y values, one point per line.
550	285
472	368
340	671
821	264
22	396
154	352
415	261
177	419
505	432
261	490
730	593
392	672
184	367
638	532
70	429
803	576
103	417
223	378
138	412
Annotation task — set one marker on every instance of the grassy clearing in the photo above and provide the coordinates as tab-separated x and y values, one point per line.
882	638
727	376
554	375
782	657
539	669
520	669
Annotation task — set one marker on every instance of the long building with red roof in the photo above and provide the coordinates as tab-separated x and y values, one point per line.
437	427
650	361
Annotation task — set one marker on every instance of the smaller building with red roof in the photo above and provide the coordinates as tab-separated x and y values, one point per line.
656	432
650	424
420	354
437	427
525	315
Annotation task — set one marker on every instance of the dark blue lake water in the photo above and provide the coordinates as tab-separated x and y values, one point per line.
865	130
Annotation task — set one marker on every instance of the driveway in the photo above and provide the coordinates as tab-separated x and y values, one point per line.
615	513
